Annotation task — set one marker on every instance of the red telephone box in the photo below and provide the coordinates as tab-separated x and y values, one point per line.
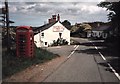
24	41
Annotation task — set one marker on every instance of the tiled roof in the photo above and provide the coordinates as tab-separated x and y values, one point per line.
101	28
44	27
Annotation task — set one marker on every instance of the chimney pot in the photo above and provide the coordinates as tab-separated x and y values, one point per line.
58	17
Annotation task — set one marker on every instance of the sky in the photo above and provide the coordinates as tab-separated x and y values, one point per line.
37	13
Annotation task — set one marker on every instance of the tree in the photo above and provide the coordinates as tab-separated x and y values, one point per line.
80	29
4	14
113	16
86	27
67	24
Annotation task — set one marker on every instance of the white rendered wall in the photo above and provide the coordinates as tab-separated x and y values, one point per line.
50	35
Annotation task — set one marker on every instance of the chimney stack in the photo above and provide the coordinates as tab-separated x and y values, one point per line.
50	20
54	18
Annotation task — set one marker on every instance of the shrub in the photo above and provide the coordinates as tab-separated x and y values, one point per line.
60	41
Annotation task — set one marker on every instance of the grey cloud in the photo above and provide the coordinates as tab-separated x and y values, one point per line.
53	6
74	12
54	0
29	3
30	8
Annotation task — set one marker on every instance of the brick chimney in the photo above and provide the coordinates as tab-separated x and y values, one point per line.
54	18
50	20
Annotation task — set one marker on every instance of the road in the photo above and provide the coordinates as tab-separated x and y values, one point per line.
83	64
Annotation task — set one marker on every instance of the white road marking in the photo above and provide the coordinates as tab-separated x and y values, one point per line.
75	46
116	74
73	51
102	56
96	48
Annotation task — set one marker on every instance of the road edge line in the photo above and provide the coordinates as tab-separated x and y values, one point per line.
114	71
73	51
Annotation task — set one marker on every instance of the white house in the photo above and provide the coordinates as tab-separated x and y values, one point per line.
89	34
48	33
99	32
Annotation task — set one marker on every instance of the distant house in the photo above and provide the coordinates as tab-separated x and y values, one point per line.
89	34
47	34
99	32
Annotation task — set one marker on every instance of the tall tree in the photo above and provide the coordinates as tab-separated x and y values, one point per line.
114	15
67	24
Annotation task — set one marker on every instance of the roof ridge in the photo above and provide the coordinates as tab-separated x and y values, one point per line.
45	26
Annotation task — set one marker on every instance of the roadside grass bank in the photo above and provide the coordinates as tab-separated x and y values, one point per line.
12	64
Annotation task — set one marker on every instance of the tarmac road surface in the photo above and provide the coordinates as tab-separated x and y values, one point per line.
81	65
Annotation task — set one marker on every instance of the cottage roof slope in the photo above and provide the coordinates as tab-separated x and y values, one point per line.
101	28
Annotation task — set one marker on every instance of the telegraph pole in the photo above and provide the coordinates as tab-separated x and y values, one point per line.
7	25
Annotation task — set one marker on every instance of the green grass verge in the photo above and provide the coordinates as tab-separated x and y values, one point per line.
12	64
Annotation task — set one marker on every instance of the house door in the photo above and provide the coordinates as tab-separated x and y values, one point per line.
60	35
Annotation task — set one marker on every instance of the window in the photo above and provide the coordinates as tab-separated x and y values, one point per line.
45	43
42	34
